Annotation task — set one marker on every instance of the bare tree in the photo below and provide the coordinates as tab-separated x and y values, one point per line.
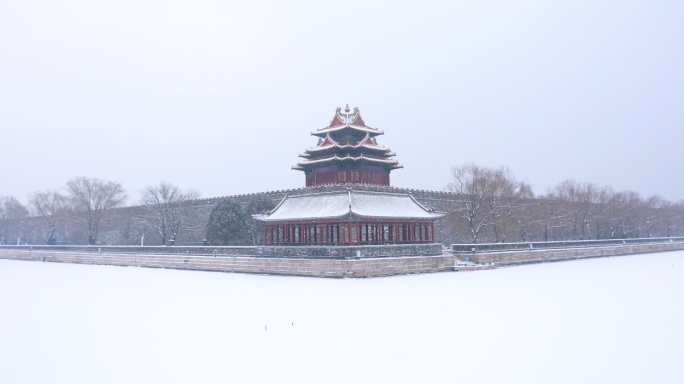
652	213
90	204
487	197
673	218
140	227
167	209
506	201
602	210
580	205
50	207
12	220
552	216
473	185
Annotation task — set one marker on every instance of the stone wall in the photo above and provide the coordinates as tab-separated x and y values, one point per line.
468	248
544	255
364	267
298	252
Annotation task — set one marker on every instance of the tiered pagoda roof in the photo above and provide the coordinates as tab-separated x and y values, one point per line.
347	143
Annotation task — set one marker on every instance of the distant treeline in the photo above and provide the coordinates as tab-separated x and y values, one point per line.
486	205
90	211
492	206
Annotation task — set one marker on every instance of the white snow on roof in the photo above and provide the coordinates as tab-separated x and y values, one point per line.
348	157
326	130
339	204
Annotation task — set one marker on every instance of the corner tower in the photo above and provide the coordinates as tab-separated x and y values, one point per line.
347	152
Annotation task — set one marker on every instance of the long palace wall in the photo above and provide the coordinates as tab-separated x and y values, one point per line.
123	231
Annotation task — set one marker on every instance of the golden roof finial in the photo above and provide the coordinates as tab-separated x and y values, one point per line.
346	109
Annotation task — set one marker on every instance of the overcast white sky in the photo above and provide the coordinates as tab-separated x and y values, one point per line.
222	96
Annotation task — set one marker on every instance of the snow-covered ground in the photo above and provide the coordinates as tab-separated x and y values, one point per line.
610	320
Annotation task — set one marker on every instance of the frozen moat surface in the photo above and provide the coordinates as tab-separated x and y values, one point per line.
610	320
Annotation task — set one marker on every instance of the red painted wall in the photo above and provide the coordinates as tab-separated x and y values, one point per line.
356	176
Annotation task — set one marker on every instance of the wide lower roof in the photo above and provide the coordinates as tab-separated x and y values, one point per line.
336	205
389	161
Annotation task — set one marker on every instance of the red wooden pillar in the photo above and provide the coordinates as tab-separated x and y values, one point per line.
432	231
320	234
